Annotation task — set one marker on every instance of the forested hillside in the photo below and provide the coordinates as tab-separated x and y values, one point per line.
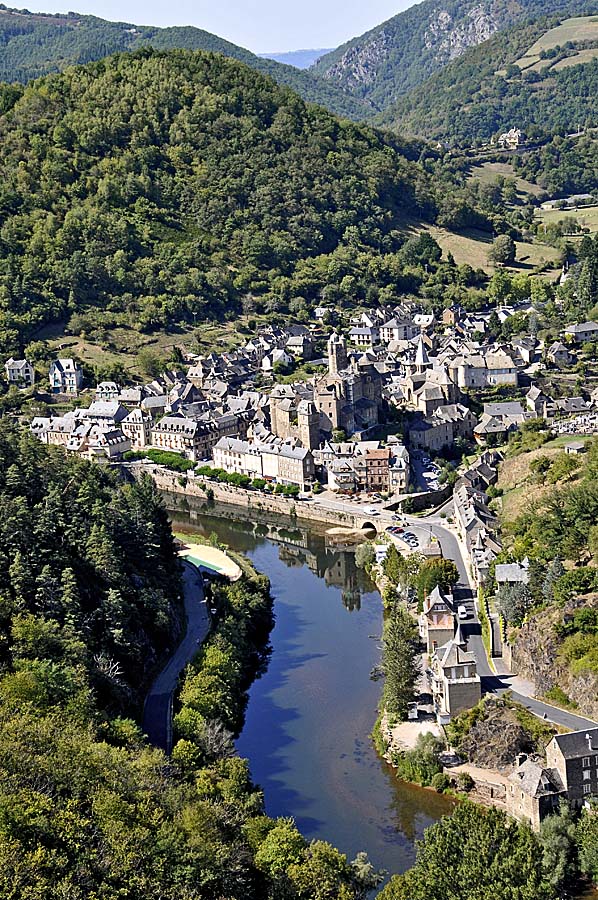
485	92
89	582
34	44
400	54
161	187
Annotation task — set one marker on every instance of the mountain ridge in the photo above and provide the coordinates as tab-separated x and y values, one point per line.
36	44
498	86
400	54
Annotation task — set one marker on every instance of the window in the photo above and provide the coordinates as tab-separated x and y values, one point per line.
587	788
586	775
586	762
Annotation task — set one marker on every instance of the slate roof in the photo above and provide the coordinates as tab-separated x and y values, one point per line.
576	743
536	781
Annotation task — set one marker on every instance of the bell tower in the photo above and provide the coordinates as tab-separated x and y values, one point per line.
337	353
308	425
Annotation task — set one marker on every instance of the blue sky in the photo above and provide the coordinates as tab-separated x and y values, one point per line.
260	25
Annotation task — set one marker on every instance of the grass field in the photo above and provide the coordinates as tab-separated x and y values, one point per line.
586	216
472	247
582	56
514	477
487	172
580	28
121	346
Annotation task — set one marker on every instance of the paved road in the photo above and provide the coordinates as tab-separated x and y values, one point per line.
157	712
492	682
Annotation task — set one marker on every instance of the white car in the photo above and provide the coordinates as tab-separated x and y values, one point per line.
463	612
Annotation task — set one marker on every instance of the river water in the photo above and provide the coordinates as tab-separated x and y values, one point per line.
309	716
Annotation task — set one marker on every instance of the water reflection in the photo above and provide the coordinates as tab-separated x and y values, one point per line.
310	714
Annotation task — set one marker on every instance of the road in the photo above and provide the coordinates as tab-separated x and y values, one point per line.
492	682
157	712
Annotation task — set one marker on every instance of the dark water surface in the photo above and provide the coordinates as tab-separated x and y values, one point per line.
310	715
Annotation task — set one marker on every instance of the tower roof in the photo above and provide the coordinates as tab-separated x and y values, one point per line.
421	354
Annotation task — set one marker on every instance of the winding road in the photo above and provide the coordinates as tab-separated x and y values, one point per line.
493	681
157	712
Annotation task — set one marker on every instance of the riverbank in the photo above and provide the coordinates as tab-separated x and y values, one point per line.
205	556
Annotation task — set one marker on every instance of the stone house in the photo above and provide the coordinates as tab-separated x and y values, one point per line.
397	329
137	426
107	390
582	332
454	680
177	434
372	470
437	620
512	573
538	402
533	792
558	354
273	460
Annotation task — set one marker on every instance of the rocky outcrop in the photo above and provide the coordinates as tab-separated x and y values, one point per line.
359	64
535	656
403	52
449	39
496	737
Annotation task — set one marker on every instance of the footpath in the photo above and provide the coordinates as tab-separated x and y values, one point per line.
157	712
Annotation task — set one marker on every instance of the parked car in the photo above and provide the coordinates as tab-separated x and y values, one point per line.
463	612
412	711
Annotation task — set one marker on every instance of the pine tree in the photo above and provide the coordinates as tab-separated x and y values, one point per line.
70	598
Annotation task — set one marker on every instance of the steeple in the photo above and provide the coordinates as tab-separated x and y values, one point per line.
422	360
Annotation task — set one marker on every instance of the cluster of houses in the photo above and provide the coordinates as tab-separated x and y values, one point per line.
393	360
452	674
533	788
477	526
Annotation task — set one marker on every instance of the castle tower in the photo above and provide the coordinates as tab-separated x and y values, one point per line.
337	353
308	425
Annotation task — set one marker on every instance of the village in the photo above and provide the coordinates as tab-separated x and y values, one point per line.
384	424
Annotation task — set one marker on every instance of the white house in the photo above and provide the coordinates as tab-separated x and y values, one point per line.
65	377
19	372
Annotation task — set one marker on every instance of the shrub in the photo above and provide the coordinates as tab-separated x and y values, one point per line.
441	782
465	782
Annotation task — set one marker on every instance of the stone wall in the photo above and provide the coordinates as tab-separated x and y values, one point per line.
254	501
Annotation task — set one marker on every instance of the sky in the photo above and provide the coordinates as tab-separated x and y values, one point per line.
264	26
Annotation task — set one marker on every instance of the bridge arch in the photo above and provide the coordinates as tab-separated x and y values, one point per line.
369	526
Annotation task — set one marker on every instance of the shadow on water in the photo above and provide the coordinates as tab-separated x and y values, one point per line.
310	714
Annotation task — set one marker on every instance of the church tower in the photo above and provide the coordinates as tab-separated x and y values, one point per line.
422	360
337	353
308	425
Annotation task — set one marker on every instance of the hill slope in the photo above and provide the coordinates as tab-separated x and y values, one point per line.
158	187
508	82
34	44
400	54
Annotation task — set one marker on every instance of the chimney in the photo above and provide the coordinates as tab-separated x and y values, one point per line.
521	758
589	740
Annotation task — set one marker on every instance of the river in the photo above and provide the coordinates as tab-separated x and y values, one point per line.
309	716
